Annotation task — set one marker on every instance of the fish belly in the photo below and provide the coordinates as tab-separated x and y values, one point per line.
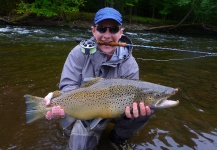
100	108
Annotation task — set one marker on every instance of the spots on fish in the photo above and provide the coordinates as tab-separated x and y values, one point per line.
108	98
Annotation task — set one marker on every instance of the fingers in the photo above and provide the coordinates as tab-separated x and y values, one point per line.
55	113
128	113
48	115
142	109
62	113
48	98
148	110
47	102
138	110
135	110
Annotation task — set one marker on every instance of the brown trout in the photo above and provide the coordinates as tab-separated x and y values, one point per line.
102	98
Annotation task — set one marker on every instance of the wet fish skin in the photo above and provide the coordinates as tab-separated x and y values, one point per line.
103	98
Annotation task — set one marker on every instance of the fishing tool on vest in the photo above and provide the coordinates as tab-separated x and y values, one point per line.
88	46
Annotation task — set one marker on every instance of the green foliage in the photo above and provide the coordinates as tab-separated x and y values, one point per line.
183	2
166	9
69	16
200	11
50	8
207	11
131	3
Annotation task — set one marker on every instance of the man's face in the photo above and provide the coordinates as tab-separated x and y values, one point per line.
107	36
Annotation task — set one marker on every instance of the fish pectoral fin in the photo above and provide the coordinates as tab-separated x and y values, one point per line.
90	81
67	121
95	122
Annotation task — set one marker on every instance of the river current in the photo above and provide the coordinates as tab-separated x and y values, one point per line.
31	61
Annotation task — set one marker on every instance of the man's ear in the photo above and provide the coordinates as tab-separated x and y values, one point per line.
121	32
93	29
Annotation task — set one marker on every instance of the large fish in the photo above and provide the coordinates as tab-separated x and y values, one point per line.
102	98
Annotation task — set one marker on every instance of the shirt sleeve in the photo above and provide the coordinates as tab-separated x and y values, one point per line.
130	69
72	70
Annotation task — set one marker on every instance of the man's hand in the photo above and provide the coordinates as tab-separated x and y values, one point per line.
138	110
56	111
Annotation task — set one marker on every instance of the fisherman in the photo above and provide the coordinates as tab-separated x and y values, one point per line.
106	62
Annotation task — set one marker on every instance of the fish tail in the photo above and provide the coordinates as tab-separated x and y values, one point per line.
33	109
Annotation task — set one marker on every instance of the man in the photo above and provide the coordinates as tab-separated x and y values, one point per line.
106	62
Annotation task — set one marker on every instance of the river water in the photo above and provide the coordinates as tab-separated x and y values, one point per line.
31	61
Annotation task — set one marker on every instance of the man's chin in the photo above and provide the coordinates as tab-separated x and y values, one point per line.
107	49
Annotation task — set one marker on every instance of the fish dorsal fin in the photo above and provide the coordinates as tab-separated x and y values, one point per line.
90	81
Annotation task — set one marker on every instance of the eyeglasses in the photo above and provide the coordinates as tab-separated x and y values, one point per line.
112	29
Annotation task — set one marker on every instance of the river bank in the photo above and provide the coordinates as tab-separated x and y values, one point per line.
130	24
182	29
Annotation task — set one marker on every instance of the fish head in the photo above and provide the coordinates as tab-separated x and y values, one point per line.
157	99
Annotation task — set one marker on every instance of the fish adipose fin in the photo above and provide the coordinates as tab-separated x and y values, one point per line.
56	94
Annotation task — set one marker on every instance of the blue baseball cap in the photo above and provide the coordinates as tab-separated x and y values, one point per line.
108	13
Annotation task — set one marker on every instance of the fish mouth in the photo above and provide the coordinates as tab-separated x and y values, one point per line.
165	103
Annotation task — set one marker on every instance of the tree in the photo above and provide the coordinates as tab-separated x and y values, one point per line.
194	11
206	11
50	8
